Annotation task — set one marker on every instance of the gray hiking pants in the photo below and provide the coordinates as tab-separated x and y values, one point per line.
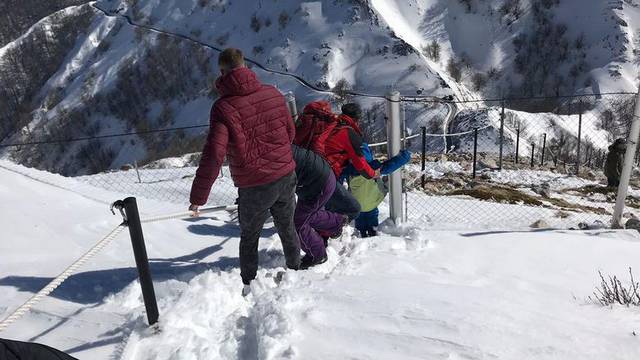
254	205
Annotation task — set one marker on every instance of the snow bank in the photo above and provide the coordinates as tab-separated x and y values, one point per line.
436	169
555	181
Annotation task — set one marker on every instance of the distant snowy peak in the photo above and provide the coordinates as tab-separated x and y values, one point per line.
522	47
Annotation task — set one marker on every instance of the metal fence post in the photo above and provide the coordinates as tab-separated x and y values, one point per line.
518	143
394	145
533	153
135	165
291	104
501	136
475	151
142	261
632	143
424	156
544	148
579	137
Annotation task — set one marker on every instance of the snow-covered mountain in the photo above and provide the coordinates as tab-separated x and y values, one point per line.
85	70
524	47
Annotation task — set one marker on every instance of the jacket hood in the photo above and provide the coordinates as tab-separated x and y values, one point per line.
238	82
348	121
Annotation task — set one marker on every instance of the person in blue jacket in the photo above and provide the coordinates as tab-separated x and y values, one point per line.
371	192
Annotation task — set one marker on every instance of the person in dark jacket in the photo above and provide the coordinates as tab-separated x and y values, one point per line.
18	350
613	164
316	185
251	124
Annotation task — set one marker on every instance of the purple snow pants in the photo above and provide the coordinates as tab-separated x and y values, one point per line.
310	216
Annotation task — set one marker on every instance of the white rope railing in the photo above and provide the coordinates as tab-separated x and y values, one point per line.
404	139
186	214
55	283
433	135
99	246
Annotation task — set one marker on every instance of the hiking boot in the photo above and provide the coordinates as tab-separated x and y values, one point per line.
309	261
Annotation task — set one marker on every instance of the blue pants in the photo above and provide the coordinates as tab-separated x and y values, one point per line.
366	222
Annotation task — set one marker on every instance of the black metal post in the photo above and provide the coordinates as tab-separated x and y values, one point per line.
533	152
601	157
579	136
142	261
424	156
501	136
518	144
544	147
475	150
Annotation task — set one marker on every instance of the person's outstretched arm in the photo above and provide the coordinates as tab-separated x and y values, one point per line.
396	162
213	155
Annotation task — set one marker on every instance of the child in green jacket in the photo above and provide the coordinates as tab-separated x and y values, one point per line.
371	192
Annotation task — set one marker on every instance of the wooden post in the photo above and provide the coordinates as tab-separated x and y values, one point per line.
501	136
475	151
518	143
579	137
424	156
533	152
544	147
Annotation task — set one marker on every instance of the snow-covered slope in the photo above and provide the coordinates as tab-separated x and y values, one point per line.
408	294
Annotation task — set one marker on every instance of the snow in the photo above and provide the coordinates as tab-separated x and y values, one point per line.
535	177
418	297
414	292
436	169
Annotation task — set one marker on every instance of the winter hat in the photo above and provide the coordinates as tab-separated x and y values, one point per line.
352	110
620	141
620	145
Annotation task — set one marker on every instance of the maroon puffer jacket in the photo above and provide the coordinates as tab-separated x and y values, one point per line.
252	126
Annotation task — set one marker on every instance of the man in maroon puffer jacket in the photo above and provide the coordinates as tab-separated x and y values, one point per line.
250	124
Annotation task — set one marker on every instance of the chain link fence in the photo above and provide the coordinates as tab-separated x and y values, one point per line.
517	163
163	176
494	164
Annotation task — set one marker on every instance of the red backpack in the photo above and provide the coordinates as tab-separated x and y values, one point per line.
315	125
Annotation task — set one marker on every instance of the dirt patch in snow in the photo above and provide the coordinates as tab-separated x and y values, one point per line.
499	194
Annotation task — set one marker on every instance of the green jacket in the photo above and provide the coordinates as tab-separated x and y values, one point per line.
369	192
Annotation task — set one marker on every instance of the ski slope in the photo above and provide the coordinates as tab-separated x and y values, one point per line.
411	293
